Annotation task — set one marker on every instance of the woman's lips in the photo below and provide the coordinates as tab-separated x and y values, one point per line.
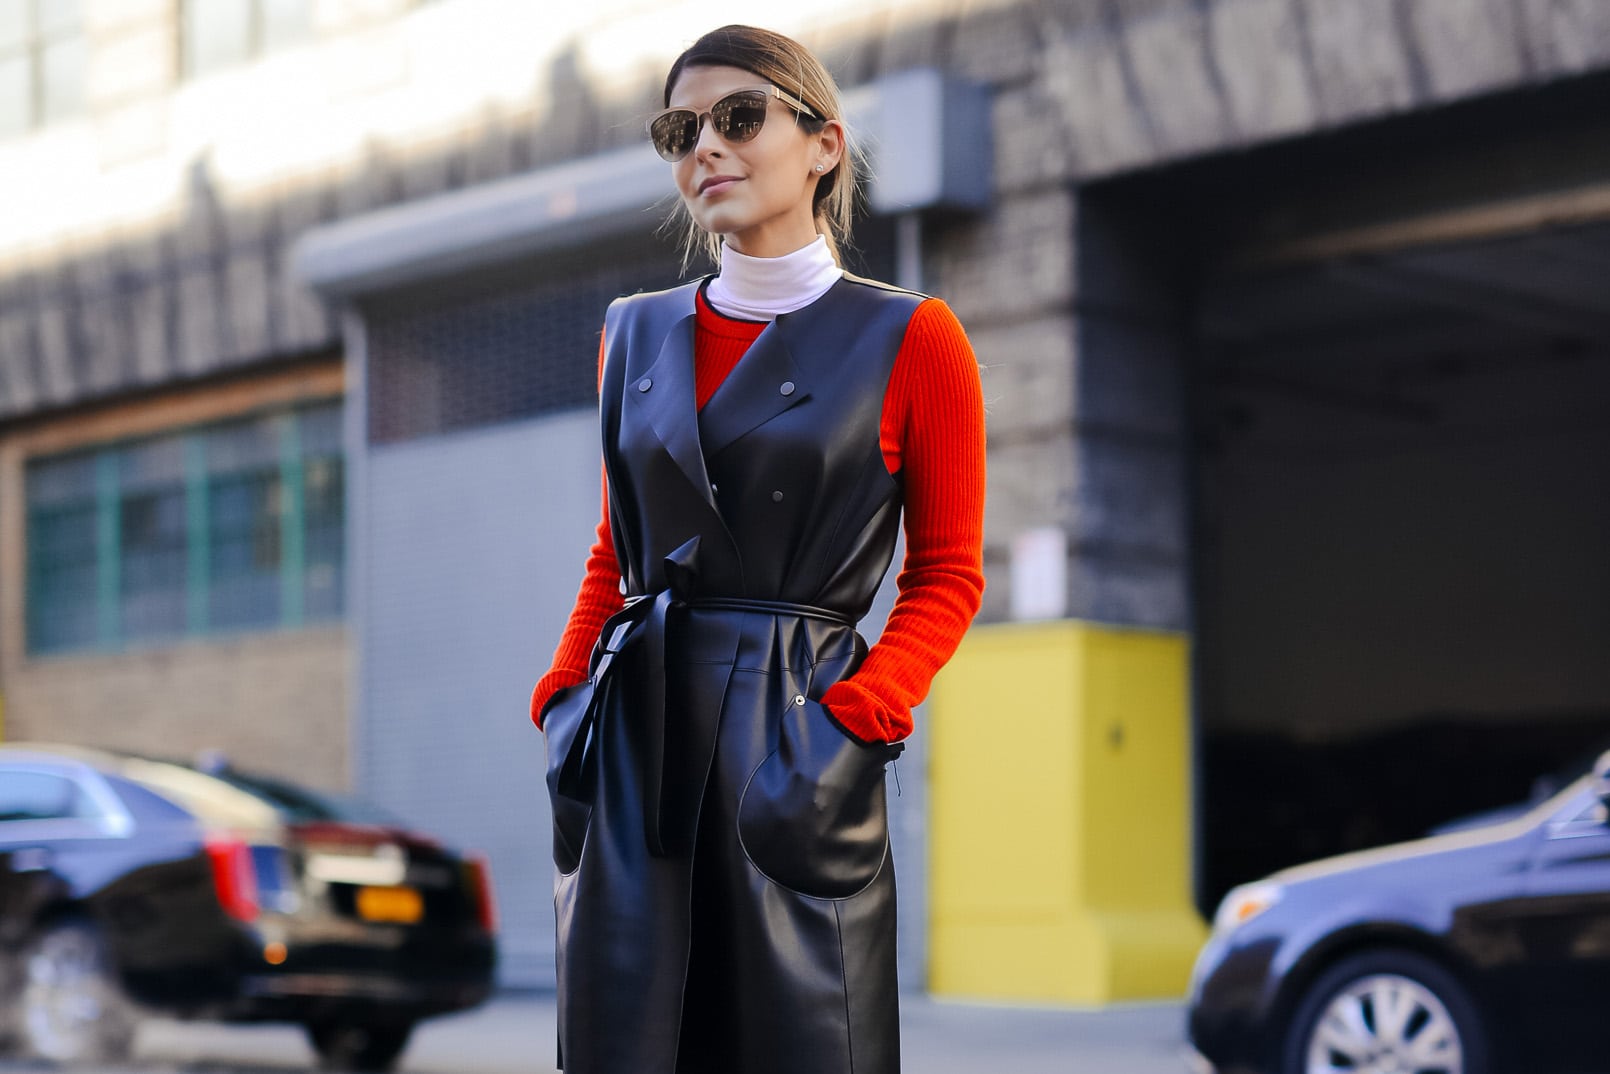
716	184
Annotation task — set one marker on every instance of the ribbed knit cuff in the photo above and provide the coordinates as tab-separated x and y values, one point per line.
863	715
551	684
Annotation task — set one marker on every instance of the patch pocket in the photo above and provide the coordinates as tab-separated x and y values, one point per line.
570	779
813	816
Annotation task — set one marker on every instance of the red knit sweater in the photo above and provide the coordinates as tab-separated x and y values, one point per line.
932	428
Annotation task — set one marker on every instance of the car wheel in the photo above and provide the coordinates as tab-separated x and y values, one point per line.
70	1008
359	1046
1387	1011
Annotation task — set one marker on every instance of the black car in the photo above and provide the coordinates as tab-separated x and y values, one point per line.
130	884
1479	952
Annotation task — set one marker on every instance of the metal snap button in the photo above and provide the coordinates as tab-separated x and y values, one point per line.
799	699
645	384
787	388
777	496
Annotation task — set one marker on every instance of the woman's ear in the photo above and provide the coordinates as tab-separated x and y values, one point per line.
829	143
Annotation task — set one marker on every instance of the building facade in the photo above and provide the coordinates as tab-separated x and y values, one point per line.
1292	327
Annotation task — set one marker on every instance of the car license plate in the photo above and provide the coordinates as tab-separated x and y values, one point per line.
400	904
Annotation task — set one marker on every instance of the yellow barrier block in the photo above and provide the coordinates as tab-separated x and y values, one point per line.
1060	853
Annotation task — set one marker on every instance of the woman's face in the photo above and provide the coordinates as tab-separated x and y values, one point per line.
757	194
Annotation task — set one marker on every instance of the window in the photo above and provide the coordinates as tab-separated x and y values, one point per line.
42	63
245	494
221	33
63	553
26	795
151	538
1592	814
234	526
323	494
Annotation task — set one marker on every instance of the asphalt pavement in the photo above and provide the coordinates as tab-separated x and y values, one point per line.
514	1034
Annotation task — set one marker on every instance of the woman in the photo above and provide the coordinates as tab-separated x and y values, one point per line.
717	730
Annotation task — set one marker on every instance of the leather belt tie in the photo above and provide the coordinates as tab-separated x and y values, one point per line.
676	745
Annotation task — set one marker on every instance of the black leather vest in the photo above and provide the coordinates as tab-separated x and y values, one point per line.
779	481
774	498
714	832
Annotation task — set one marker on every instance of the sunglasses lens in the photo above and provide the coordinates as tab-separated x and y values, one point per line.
674	133
738	117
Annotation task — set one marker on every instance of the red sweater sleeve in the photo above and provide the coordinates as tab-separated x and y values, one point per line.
597	600
933	429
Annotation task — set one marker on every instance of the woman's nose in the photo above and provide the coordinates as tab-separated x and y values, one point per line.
709	142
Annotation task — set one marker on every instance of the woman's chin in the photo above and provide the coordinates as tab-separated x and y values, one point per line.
719	220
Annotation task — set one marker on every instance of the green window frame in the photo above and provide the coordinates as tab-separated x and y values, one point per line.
211	530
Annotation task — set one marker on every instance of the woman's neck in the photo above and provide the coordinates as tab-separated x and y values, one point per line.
760	288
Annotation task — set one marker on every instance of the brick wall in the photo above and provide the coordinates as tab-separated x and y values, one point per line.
273	702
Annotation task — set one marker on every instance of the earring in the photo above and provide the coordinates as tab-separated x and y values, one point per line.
818	167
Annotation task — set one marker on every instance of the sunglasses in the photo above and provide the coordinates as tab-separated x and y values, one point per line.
737	117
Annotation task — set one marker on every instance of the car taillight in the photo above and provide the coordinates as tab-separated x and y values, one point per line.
479	876
234	878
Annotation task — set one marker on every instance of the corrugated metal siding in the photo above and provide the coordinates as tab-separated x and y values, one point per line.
477	545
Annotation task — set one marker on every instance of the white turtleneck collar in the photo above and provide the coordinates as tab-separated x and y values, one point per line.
759	288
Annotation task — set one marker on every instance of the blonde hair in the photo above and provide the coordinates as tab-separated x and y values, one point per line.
791	67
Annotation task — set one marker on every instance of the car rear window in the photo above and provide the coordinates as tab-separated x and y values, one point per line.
32	795
145	804
1592	812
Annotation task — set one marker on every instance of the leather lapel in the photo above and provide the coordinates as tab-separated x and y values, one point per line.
766	382
664	396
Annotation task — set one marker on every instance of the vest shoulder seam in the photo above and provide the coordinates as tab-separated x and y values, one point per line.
880	285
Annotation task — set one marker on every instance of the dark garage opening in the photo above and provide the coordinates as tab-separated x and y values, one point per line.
1402	529
1398	372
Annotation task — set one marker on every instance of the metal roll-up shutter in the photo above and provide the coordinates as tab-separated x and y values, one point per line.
480	496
